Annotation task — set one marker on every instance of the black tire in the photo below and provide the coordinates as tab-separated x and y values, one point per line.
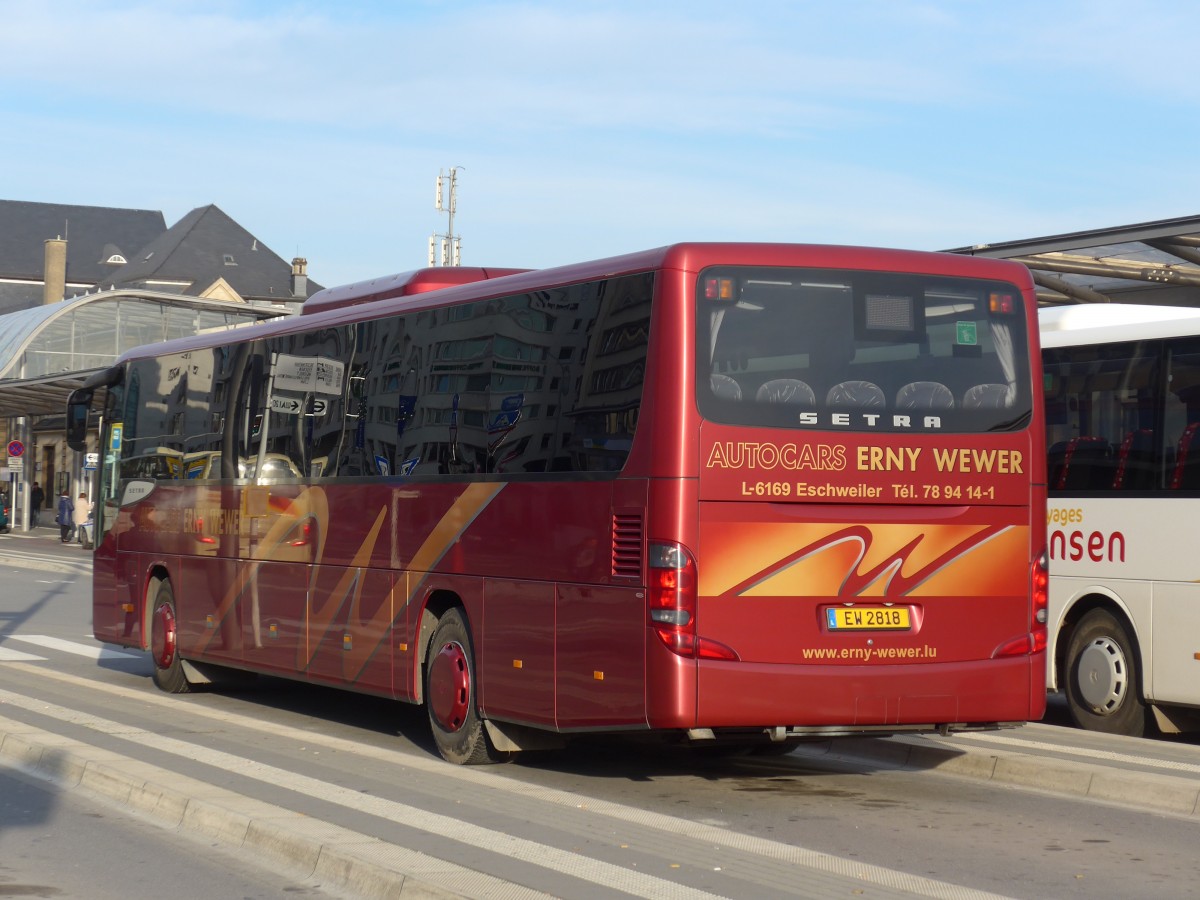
164	643
1102	685
451	697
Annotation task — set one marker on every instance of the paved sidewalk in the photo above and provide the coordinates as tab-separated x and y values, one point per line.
44	539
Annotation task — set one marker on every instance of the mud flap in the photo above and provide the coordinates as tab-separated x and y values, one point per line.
509	738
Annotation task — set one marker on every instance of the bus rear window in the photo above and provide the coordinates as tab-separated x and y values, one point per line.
860	351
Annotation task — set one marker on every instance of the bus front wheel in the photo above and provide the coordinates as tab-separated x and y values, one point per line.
1102	678
450	695
164	643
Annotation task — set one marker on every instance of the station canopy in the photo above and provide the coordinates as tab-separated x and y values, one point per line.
48	351
1155	263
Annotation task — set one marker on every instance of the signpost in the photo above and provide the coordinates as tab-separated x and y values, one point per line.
289	405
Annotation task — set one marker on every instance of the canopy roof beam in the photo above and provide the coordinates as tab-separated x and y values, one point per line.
1113	268
1076	292
1178	249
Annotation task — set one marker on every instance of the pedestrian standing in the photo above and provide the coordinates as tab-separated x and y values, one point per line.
66	516
79	518
37	498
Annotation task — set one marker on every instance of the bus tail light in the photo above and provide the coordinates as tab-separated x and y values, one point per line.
1039	595
1039	592
1001	304
672	588
720	289
672	603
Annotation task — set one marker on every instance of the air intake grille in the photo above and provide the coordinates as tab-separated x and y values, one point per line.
627	545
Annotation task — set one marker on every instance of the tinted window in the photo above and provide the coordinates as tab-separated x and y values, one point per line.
544	382
1123	417
807	348
168	413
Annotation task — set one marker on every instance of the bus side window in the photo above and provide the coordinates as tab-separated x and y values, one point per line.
1186	475
1135	462
1087	465
1056	458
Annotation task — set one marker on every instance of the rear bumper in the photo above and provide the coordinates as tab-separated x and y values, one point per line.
987	692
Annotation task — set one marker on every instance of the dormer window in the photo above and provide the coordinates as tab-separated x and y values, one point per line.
229	260
115	260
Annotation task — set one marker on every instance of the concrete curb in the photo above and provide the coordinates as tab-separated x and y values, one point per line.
1175	794
311	849
39	565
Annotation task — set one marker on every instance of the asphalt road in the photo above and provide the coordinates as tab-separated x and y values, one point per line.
64	843
346	792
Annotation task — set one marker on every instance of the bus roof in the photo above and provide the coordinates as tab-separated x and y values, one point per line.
1106	323
415	291
404	284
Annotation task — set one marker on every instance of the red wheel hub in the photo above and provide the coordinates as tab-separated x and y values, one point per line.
162	636
450	686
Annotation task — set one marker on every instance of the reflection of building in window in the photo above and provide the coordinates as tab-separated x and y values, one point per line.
471	388
529	383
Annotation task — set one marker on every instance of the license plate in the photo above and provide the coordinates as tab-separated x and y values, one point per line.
868	618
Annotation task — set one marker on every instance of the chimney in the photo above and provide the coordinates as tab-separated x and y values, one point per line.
54	278
299	277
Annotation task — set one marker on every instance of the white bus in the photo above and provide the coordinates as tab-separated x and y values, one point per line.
1122	388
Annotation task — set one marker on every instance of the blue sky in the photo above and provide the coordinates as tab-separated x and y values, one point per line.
588	129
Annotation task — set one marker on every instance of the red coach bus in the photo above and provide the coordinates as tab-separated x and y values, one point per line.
727	492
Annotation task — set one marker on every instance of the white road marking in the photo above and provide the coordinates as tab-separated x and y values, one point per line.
94	651
345	847
1170	765
7	655
565	862
771	851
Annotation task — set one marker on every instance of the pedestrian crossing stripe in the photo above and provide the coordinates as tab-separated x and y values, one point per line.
91	651
7	655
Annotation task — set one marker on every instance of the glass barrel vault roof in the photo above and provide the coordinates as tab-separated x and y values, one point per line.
83	334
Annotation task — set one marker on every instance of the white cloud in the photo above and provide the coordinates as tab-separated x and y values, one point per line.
593	128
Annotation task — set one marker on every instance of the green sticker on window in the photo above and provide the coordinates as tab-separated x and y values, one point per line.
966	333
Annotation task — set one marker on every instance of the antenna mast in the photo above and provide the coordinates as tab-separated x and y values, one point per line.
446	249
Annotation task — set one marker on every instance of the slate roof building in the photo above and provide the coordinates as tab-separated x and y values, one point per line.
79	285
100	240
205	254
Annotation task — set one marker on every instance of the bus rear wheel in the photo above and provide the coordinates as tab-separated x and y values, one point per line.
450	695
164	643
1102	687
